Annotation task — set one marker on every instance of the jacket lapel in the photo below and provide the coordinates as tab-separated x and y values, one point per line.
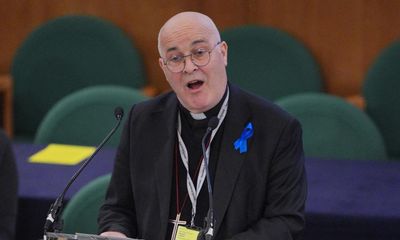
230	160
165	120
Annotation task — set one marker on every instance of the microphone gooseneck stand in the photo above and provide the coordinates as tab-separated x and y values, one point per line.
208	232
53	221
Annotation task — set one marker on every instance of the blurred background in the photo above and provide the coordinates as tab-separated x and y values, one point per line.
343	35
342	42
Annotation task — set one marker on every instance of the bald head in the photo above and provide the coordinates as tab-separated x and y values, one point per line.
193	60
180	23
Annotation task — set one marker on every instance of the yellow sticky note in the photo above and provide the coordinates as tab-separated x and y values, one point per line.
185	233
62	154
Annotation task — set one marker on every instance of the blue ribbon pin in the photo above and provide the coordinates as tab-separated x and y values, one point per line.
241	143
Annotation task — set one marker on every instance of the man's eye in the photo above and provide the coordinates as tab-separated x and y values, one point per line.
199	52
175	59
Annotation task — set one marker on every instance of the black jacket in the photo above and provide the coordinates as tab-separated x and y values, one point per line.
8	189
259	194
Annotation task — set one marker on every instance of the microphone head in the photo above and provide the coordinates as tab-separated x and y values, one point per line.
213	123
118	113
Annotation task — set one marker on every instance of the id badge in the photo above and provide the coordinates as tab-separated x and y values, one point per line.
185	233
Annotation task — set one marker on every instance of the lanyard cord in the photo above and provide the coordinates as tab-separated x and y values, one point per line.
179	209
193	190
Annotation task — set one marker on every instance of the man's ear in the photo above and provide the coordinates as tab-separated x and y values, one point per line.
161	63
224	51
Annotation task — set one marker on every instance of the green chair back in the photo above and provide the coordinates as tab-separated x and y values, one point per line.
270	62
333	128
86	116
80	214
67	54
381	89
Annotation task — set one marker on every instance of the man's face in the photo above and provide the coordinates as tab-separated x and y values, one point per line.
198	88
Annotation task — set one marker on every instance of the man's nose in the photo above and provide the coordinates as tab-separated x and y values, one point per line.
189	65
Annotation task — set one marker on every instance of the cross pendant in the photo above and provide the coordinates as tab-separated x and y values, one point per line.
176	223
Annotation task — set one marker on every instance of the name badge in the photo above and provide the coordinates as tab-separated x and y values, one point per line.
185	233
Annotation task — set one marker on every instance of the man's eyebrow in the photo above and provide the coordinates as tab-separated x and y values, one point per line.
193	43
198	41
172	49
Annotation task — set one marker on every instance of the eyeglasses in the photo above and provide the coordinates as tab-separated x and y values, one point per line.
199	57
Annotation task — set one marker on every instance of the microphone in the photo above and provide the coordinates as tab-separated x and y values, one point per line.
208	232
53	222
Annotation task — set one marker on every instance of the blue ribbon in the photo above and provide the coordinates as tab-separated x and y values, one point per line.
241	143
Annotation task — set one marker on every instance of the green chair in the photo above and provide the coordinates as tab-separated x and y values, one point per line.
381	90
270	62
64	55
333	128
86	116
80	214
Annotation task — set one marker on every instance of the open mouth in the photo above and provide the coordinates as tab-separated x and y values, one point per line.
196	84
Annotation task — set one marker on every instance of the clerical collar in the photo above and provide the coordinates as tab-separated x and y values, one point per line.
198	116
201	116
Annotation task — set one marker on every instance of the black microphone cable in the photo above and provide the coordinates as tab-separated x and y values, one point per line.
209	230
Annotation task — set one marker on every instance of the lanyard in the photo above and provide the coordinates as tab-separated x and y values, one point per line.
192	190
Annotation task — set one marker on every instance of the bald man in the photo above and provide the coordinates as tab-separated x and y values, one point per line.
158	188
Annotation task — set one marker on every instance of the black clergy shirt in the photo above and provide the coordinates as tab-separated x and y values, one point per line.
192	132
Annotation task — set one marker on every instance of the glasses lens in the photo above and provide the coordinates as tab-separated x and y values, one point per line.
201	58
175	66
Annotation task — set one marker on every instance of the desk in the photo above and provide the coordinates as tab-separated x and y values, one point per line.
347	199
41	184
353	200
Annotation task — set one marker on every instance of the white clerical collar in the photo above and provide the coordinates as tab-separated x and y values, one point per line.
198	116
201	116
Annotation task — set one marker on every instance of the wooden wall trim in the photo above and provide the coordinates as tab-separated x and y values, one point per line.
344	36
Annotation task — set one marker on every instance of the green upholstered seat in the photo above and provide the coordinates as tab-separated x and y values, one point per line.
80	214
333	128
270	62
86	116
381	90
67	54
